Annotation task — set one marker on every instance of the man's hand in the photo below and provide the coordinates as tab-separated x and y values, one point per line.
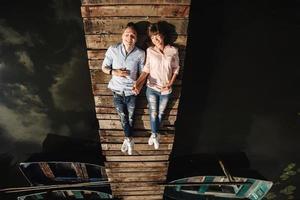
120	72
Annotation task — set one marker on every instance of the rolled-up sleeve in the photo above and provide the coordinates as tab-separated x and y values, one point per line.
108	60
175	63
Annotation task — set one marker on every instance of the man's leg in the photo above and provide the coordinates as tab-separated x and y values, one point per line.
120	105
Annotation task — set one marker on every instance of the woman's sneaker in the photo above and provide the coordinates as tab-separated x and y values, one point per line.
130	145
154	139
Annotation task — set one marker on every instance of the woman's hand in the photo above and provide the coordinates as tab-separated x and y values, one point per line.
166	87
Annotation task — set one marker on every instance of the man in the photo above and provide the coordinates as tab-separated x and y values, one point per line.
124	61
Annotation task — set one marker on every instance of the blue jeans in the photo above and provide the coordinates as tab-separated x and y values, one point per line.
157	105
125	106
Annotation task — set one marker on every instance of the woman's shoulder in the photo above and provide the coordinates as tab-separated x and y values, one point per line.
172	49
150	49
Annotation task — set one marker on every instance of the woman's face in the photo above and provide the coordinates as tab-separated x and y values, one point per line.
157	39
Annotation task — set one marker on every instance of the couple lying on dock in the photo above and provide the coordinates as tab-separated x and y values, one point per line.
130	68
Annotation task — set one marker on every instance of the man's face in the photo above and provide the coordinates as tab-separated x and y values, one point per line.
129	37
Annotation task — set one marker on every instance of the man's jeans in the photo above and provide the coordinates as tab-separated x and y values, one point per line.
125	106
157	105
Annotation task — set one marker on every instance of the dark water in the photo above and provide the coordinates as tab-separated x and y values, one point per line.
240	87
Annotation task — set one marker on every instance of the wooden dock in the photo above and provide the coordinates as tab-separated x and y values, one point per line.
138	176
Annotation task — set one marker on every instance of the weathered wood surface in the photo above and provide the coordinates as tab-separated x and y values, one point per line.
132	2
98	77
135	10
138	192
103	41
138	158
137	140
134	177
138	111
107	102
101	89
139	133
138	124
115	147
143	197
136	164
116	25
46	170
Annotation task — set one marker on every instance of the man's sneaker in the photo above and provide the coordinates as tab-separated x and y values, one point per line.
124	147
154	139
130	145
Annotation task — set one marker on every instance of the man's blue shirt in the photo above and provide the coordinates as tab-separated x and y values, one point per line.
116	58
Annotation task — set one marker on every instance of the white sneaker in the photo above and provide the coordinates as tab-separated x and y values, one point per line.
154	139
124	147
130	145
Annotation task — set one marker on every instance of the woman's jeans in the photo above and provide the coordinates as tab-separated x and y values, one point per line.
125	106
157	105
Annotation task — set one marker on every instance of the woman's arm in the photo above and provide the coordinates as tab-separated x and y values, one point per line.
140	82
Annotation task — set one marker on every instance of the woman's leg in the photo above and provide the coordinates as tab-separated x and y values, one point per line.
153	100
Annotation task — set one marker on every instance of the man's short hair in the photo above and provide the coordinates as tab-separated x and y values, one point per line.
132	26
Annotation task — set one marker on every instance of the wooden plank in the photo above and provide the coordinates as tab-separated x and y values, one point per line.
96	64
140	152
137	117
138	124
136	185
138	111
136	169
98	77
140	133
145	2
80	170
101	89
136	179
135	174
140	192
138	158
141	197
103	41
96	54
136	147
137	140
116	25
107	101
136	10
136	164
46	170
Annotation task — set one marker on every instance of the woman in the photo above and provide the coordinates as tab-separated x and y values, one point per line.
160	70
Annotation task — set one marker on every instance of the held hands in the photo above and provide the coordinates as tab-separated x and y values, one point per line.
135	89
120	72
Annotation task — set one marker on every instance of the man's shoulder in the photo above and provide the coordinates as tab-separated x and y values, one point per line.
115	46
139	50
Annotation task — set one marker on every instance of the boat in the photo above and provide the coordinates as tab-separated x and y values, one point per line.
61	172
66	194
197	187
